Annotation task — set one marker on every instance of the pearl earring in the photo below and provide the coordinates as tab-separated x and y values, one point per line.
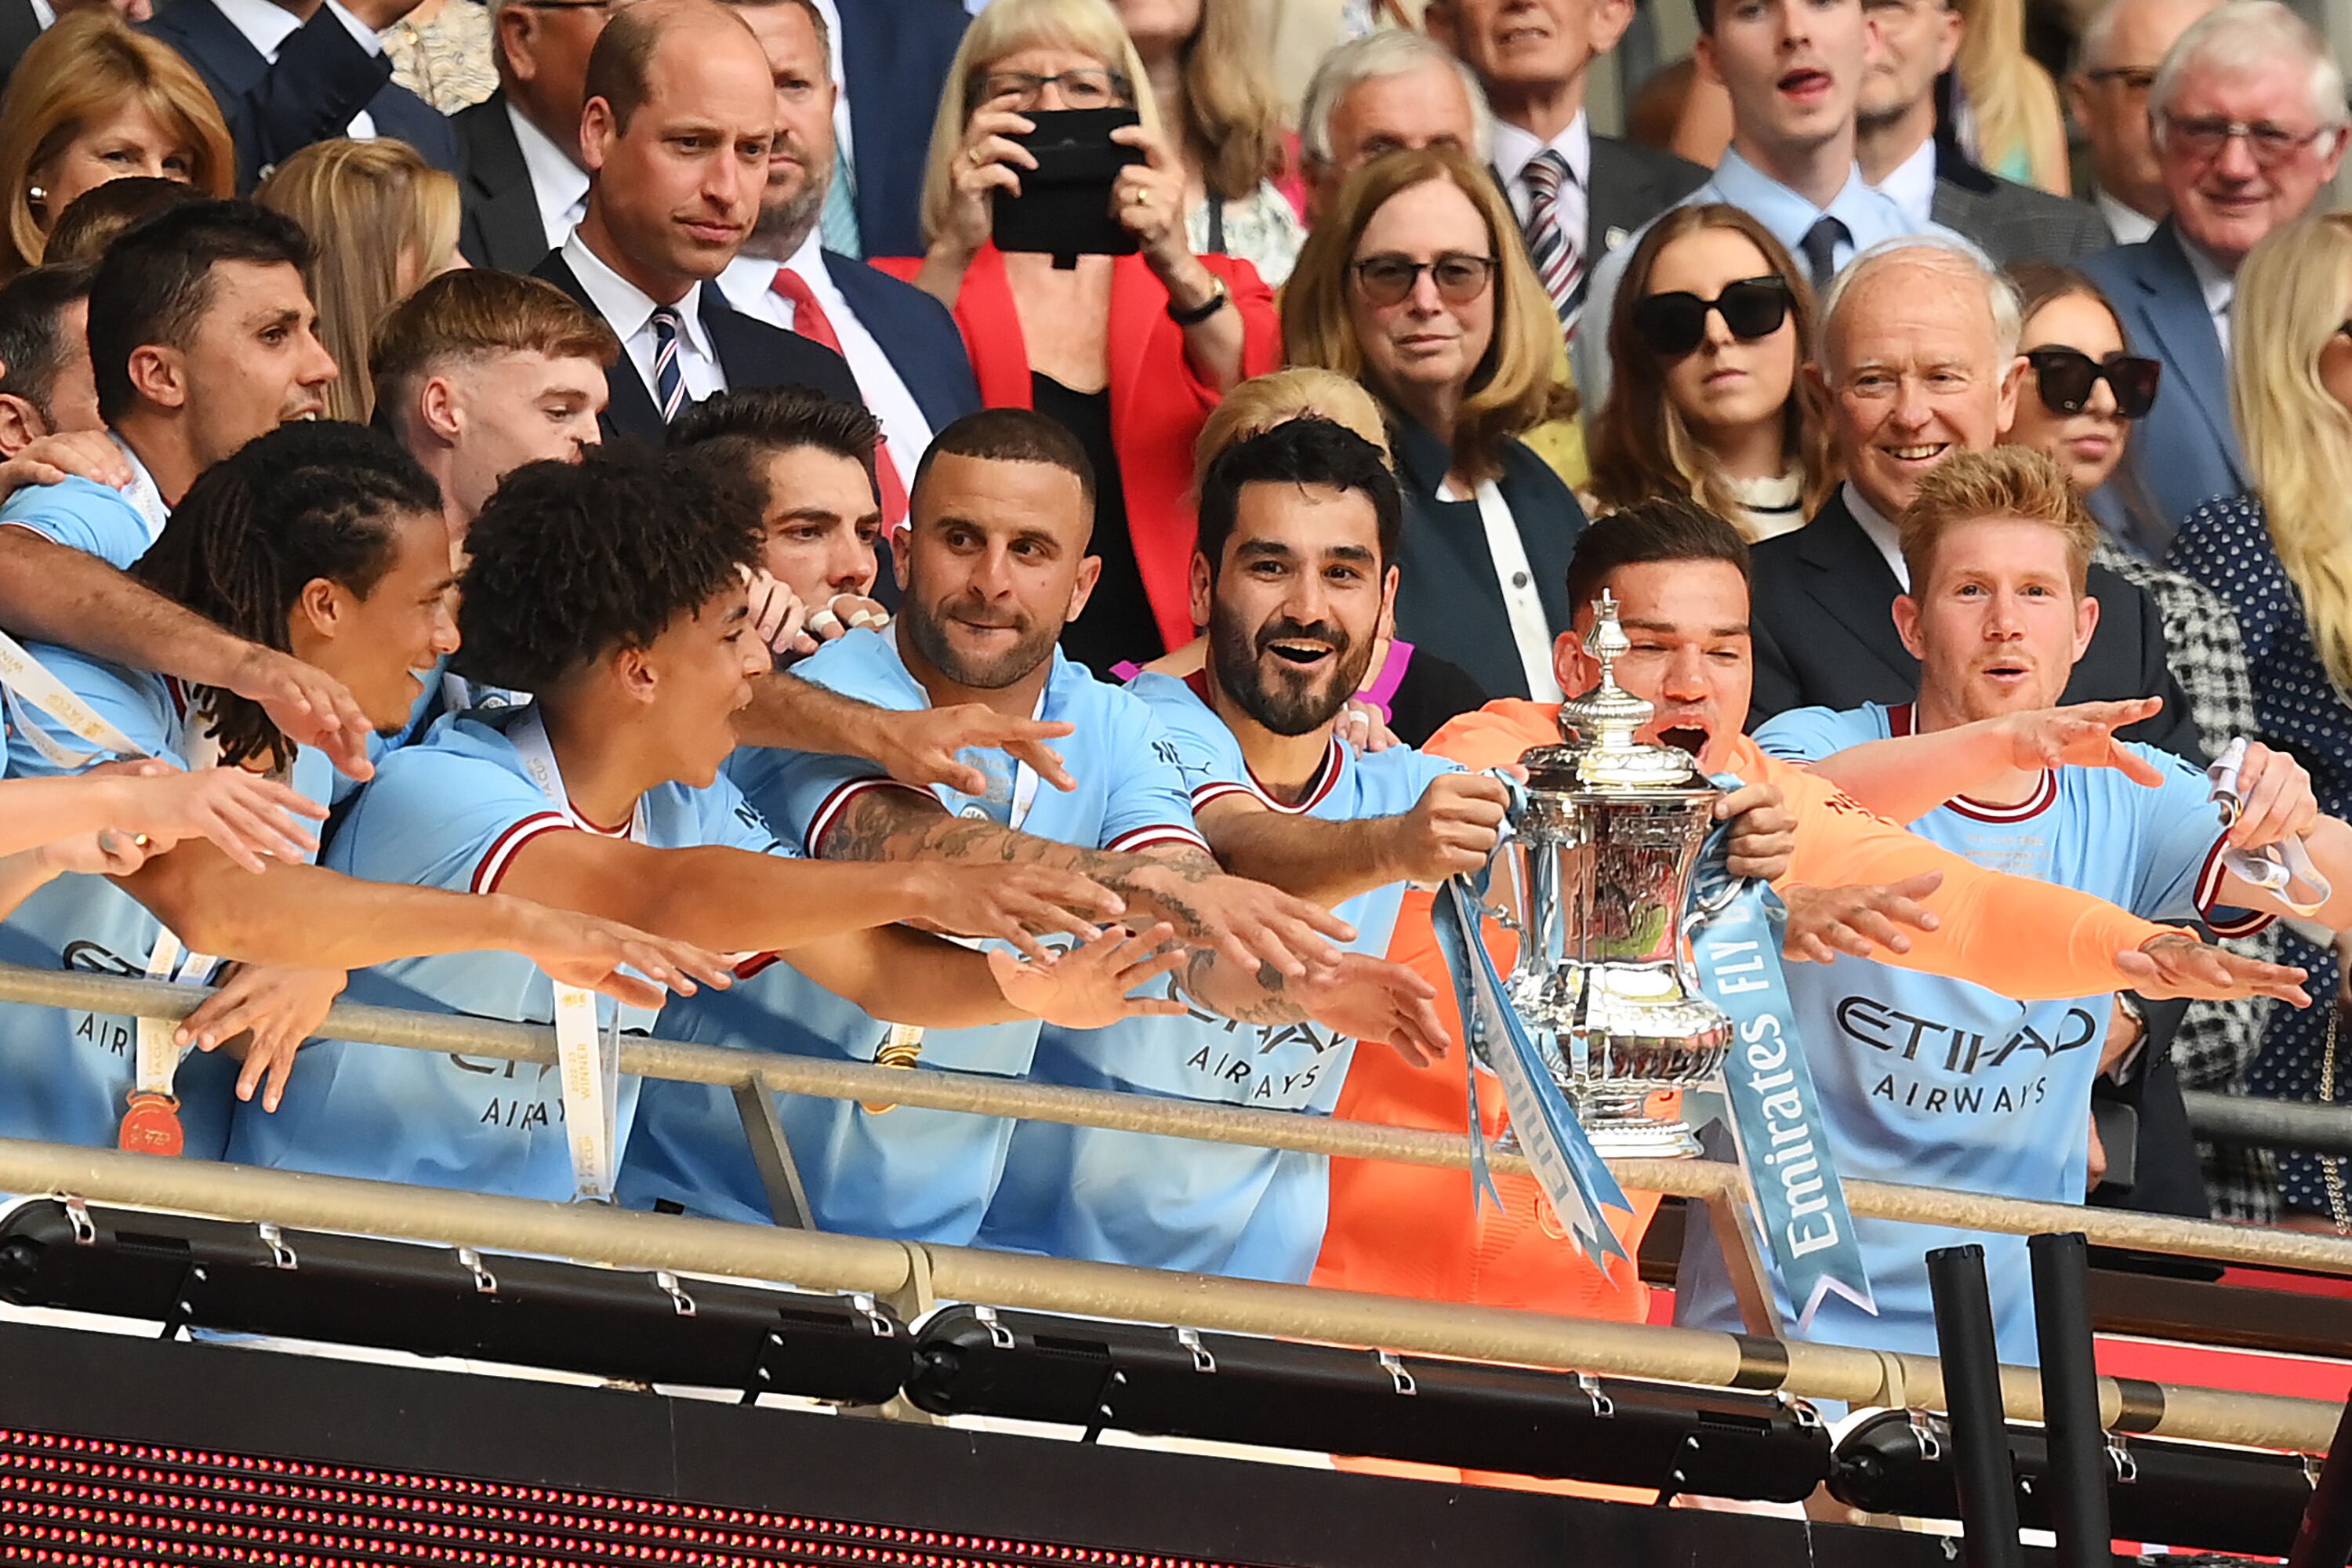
36	195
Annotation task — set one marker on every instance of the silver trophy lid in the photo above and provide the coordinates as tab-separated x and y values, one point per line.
1601	750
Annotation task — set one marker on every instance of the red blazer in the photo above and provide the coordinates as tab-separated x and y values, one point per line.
1157	404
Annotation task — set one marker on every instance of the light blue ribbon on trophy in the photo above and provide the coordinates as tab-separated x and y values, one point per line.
1776	1113
1575	1180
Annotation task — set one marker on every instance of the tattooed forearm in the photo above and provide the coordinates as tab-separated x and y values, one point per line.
1262	1000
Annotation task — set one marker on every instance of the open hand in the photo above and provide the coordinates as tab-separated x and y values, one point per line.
1366	998
591	954
1252	925
2083	734
779	617
2178	964
244	813
1858	920
309	705
77	454
918	746
1016	902
261	1015
1091	986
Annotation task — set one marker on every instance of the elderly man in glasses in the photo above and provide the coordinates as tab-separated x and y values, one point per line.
2247	117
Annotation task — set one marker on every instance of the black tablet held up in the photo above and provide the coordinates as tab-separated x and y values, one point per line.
1064	208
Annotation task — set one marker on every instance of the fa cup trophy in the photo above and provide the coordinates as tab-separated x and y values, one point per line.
1596	882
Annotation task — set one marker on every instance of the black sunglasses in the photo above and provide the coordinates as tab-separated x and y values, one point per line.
1673	325
2065	378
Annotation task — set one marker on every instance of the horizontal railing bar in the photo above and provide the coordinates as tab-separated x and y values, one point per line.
809	1260
2304	1125
981	1094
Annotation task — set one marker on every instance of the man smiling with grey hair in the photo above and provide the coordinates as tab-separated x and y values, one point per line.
1385	92
1918	360
2247	118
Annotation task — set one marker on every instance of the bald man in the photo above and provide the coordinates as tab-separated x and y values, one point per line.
680	115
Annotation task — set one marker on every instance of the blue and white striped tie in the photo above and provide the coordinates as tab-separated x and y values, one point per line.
1559	255
670	381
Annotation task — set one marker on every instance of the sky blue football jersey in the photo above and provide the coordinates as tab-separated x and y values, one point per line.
452	812
1939	1083
1176	1202
912	1173
85	515
64	1075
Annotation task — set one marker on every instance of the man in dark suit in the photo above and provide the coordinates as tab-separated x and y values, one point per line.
896	55
680	116
524	187
901	345
2257	65
1915	369
289	74
1578	196
1901	152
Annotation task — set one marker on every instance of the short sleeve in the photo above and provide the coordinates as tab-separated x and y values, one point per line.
802	793
732	822
1205	751
135	704
437	818
83	516
1806	734
2180	869
1148	802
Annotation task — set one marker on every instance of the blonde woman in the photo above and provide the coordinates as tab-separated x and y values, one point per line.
92	101
1128	352
386	220
1415	284
1207	69
2282	555
2008	111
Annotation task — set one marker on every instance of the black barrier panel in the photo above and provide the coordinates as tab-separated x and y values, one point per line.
833	1489
1236	1388
439	1302
2179	1494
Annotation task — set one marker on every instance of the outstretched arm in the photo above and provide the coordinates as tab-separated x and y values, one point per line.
54	593
1450	831
916	746
1906	777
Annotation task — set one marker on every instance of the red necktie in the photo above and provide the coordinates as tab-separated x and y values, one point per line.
809	322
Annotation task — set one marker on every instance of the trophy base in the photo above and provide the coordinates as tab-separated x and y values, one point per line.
1623	1136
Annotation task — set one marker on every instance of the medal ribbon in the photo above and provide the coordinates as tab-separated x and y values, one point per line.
29	685
1783	1142
2283	868
587	1055
1576	1181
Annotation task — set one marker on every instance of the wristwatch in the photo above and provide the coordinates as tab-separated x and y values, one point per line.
1219	294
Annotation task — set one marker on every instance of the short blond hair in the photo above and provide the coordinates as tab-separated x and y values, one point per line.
473	314
1302	392
2007	483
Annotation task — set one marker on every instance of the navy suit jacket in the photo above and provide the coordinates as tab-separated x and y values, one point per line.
750	353
500	227
321	80
2186	450
1448	603
895	56
917	335
18	28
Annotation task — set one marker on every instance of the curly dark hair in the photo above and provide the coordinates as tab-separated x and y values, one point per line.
305	501
570	562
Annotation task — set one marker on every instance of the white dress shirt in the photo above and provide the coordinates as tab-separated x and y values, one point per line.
45	13
1911	184
2128	225
1515	148
747	285
2219	287
1881	532
266	26
558	183
630	313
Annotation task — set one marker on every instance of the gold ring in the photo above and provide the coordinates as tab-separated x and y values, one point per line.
1139	198
972	152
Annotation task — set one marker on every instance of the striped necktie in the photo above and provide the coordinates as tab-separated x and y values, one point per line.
670	381
1558	254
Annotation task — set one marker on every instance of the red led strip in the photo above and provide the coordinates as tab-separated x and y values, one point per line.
93	1502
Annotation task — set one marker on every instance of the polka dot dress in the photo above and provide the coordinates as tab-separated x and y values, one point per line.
2226	545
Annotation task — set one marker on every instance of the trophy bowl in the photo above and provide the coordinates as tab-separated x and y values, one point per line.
1596	880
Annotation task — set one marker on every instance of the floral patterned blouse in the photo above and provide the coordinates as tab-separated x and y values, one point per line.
445	58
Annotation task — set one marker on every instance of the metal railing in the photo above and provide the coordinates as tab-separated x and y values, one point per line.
915	1275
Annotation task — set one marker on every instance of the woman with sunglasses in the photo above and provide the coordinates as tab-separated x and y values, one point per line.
2282	555
2083	395
1712	319
1415	284
1129	352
